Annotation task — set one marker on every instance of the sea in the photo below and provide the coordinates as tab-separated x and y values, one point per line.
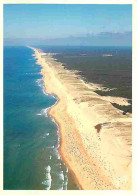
31	136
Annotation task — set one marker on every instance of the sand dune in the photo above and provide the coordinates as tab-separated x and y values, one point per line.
95	136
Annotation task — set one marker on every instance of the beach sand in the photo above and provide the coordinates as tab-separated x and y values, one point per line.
95	136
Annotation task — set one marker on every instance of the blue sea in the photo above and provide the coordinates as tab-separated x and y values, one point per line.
31	137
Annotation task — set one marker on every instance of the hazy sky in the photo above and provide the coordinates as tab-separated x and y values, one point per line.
40	22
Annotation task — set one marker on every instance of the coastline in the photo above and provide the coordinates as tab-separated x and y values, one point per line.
96	149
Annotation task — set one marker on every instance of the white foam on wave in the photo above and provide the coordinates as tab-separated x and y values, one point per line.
48	169
46	134
61	176
43	90
51	147
66	169
40	83
56	153
39	114
32	73
65	183
47	183
48	180
43	112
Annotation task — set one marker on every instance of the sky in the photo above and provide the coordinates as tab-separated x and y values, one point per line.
67	24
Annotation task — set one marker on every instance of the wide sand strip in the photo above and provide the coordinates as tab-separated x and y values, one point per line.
95	136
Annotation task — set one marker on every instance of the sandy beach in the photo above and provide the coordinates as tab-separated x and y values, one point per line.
95	136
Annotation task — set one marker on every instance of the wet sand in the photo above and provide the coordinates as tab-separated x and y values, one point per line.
95	136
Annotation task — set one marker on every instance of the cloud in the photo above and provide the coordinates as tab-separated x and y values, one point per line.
101	39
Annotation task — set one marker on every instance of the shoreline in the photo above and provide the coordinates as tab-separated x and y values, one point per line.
59	132
84	150
62	156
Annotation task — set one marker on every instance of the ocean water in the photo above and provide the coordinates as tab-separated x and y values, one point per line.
31	137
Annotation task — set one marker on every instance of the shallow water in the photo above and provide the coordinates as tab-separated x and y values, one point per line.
31	137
